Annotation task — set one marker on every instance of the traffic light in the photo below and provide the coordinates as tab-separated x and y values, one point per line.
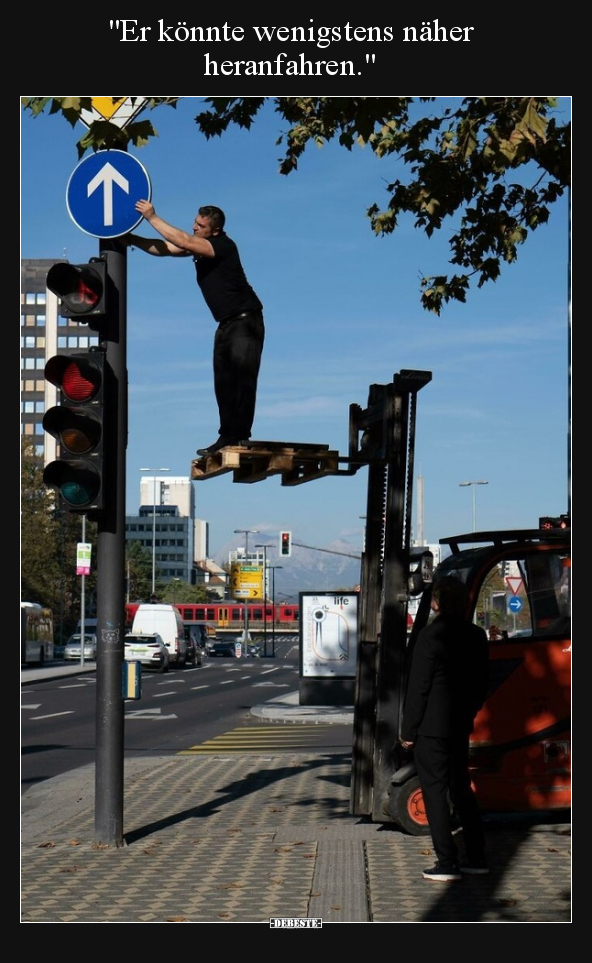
81	288
548	523
285	544
78	423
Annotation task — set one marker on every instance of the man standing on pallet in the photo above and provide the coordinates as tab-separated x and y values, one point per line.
239	337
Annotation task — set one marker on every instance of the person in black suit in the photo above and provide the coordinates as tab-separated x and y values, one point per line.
447	685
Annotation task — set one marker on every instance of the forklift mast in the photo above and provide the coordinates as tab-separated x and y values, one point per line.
383	436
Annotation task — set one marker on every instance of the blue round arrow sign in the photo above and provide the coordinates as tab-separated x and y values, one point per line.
103	190
515	603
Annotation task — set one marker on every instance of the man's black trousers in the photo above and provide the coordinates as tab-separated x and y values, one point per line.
238	345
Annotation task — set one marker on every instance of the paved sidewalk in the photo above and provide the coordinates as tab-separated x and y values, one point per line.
244	838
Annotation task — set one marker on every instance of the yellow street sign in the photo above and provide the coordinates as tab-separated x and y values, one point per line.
117	110
246	581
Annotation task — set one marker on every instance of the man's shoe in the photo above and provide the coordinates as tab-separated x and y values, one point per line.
474	867
442	875
221	443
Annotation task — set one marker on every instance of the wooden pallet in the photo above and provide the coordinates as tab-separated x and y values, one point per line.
296	462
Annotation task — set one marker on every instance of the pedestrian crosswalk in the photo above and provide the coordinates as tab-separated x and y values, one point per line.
291	736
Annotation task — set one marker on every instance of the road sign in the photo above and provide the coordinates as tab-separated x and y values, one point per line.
83	552
103	190
514	583
246	581
515	603
117	110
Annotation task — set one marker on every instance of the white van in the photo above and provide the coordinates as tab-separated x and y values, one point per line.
166	621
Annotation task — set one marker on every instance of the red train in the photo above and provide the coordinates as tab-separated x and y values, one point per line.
228	615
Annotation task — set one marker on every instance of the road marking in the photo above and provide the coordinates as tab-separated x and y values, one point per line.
36	706
154	714
52	715
275	685
259	739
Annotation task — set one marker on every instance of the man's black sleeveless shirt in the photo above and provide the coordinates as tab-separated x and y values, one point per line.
223	282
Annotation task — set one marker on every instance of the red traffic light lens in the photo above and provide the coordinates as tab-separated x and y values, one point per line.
85	297
80	377
80	287
555	523
80	381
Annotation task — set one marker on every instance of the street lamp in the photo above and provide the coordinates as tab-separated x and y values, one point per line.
265	547
473	483
273	568
246	532
154	470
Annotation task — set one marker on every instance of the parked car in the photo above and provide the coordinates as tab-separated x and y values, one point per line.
194	651
226	649
149	649
72	647
166	621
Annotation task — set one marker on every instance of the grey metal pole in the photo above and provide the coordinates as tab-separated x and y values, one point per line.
246	532
82	601
154	524
273	568
265	550
264	601
273	611
154	534
111	561
246	603
473	484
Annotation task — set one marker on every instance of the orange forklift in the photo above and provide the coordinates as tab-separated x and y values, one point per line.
519	581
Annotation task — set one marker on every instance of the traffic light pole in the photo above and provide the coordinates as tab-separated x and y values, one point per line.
111	562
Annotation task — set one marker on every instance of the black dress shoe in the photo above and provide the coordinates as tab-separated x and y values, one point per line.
220	443
212	448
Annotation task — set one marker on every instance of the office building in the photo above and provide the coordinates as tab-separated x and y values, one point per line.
166	524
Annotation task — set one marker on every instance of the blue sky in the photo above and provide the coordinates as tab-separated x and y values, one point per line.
342	312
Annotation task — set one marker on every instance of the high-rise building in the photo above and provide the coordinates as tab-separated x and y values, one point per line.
166	525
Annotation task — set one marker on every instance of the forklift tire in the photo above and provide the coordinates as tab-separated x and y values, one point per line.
406	808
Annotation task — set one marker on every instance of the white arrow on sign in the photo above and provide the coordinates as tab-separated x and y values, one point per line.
107	176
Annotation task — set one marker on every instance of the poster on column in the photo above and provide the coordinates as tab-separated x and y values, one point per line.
329	627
